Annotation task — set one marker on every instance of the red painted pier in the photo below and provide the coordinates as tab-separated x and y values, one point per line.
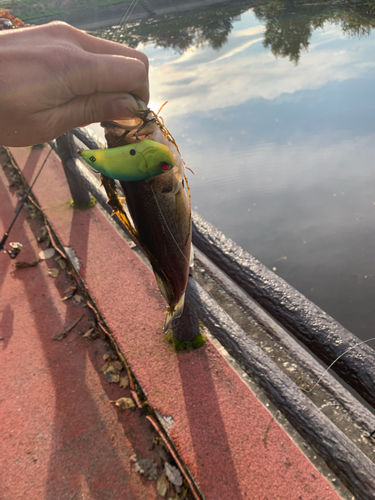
61	436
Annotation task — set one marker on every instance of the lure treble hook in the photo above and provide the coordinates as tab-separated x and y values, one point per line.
15	246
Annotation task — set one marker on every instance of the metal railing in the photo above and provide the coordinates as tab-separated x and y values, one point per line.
325	337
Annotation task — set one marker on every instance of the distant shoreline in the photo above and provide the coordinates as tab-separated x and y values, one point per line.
92	18
103	17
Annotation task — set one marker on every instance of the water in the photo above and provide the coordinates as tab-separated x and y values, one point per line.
273	109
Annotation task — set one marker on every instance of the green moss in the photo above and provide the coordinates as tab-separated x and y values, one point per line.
84	206
147	407
198	341
180	345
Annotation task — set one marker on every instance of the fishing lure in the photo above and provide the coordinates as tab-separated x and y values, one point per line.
133	162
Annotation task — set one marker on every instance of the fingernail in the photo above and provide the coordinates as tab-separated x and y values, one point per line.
121	108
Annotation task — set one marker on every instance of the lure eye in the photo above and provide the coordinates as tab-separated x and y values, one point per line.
132	152
165	166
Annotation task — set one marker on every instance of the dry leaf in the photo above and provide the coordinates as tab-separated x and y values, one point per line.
124	382
109	356
133	458
21	264
118	365
173	474
163	453
88	333
105	367
162	486
183	493
125	404
53	272
112	375
79	301
46	254
147	467
69	292
43	234
62	263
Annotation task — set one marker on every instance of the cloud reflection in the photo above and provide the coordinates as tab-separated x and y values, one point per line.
241	71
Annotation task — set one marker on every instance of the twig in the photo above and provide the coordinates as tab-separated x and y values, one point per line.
266	431
69	328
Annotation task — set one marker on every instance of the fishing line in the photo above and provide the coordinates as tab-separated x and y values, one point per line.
330	366
125	17
17	246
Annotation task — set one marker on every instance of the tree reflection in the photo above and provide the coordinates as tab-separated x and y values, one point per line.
180	31
289	25
286	33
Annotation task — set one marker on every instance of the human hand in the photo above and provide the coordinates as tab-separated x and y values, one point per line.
55	77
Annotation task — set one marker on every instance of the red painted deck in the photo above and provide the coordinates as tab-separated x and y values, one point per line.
54	404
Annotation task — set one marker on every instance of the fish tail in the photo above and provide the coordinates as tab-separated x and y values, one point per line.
175	313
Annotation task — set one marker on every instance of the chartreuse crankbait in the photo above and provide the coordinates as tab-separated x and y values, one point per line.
132	162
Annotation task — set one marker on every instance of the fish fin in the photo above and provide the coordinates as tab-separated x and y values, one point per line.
191	261
174	314
115	203
162	280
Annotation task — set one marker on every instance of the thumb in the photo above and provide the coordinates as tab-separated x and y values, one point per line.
97	107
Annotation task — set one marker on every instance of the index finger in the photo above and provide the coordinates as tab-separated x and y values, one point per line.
99	45
108	73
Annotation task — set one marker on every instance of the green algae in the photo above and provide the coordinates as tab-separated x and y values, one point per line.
84	206
180	345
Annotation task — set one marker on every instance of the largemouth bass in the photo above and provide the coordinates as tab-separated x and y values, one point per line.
159	207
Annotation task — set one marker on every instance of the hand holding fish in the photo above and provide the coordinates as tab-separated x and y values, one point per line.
55	77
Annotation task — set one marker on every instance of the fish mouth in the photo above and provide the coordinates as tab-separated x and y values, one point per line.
142	122
128	124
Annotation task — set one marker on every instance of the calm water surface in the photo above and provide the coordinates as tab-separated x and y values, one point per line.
283	148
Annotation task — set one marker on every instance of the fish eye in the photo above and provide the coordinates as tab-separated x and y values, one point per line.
132	152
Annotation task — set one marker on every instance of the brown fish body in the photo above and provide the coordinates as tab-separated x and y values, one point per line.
160	211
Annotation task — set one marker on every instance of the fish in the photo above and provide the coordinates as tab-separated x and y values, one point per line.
159	206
